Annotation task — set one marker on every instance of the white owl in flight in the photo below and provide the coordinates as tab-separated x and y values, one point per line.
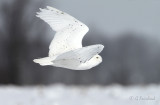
66	49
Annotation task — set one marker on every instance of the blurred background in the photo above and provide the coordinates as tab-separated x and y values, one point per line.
129	30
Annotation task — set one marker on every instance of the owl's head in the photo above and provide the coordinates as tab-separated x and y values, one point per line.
96	60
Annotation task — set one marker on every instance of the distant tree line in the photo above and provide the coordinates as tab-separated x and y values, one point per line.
128	59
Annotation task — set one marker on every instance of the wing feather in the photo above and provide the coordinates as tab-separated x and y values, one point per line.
69	31
82	54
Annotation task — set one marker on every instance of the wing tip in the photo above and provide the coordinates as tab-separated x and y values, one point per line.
49	7
100	47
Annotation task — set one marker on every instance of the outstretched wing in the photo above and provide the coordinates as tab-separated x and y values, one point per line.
69	31
82	54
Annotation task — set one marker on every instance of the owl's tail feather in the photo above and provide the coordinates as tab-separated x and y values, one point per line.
44	61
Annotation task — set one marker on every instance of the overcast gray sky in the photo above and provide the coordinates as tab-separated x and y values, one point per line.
114	16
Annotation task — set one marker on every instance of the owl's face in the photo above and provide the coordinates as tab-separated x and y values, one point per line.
97	59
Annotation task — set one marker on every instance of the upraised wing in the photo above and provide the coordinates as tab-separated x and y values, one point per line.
69	31
82	54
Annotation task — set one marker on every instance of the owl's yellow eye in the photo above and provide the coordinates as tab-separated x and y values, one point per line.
97	57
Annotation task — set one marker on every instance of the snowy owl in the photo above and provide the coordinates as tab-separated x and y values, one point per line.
66	49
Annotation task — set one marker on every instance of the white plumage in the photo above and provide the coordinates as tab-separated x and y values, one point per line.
66	48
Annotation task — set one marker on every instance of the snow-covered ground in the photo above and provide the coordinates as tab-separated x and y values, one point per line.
80	95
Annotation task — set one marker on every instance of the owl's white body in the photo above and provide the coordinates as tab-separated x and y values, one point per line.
66	49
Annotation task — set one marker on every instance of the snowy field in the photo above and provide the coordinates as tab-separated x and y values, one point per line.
80	95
